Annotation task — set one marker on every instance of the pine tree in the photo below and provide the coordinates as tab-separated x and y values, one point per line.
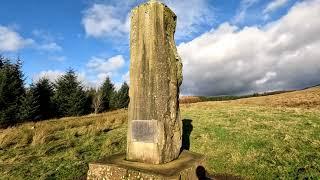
106	91
90	93
44	91
120	99
11	91
30	106
123	96
114	101
69	97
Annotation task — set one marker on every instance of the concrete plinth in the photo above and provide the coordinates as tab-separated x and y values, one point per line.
116	167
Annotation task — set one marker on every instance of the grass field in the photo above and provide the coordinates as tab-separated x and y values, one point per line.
267	137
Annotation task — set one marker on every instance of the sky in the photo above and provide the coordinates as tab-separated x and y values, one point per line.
228	47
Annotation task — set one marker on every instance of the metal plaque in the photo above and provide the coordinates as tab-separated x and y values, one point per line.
144	131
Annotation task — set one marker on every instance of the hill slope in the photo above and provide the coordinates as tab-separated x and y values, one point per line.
265	137
308	98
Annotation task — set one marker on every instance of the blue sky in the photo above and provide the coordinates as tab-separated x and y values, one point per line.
91	36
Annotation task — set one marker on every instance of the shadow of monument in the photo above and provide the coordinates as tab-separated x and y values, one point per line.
186	132
202	174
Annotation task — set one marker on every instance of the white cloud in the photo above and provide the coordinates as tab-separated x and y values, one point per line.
98	69
274	5
86	83
43	35
280	55
104	20
11	40
266	78
106	65
46	41
192	14
52	75
51	46
126	77
242	11
58	58
96	79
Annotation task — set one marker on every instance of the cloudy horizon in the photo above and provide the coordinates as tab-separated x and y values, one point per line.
233	48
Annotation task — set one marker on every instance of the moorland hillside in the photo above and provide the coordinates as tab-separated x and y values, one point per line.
274	136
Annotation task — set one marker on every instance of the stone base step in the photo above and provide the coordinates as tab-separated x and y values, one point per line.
188	166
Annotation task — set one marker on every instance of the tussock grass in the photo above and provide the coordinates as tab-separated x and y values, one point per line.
60	148
307	99
271	137
189	99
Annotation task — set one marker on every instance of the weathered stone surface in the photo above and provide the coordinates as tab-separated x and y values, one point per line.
116	168
155	78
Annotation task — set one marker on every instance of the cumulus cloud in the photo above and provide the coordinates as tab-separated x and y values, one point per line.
113	19
274	5
98	69
105	20
192	14
283	54
106	65
11	40
52	75
126	77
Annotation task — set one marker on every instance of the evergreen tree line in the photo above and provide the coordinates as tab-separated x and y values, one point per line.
44	99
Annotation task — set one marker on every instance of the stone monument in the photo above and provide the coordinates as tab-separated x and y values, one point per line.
155	127
154	137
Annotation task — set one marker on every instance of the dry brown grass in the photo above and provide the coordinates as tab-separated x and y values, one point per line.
271	137
189	99
308	98
46	131
60	147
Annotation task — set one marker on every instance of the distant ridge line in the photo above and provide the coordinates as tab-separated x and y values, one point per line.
318	85
195	99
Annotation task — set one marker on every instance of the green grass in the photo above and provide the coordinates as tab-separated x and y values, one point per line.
242	138
60	149
256	142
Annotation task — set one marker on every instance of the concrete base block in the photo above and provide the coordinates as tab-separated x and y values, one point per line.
188	166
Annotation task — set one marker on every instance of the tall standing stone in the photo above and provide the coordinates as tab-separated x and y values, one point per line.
155	127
